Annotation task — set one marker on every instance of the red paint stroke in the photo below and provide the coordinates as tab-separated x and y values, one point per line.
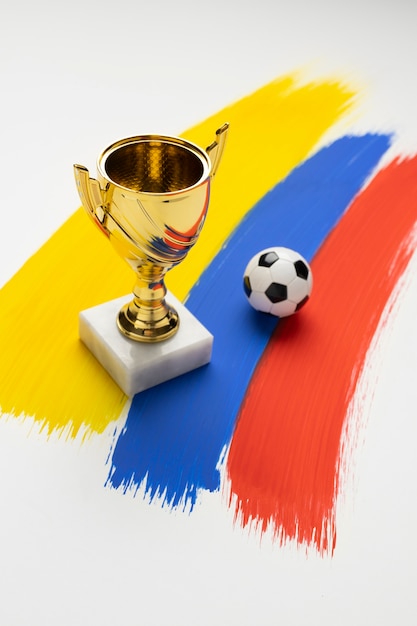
283	463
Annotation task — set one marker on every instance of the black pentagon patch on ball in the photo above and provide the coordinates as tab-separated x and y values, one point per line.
268	259
301	269
302	303
276	292
246	286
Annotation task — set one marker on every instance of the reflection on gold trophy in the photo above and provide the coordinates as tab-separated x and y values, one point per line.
151	198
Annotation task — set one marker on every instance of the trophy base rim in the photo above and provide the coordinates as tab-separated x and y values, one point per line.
135	365
131	325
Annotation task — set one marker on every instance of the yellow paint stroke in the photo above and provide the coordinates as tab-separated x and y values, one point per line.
45	371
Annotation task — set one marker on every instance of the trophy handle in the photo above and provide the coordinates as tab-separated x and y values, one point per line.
215	149
91	196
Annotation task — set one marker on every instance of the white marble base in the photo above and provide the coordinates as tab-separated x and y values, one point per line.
137	366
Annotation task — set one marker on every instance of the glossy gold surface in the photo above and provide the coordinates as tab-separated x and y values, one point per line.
150	199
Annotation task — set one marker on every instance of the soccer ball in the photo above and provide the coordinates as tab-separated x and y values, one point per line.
278	281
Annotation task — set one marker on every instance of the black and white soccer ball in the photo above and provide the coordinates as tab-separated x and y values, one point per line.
278	281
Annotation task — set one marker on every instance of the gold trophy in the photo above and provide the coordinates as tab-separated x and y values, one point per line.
150	199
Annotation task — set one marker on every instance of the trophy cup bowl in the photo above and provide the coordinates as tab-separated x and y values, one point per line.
150	199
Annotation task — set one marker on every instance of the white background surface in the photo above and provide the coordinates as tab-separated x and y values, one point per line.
74	77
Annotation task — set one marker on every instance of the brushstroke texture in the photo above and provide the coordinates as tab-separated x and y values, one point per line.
283	463
271	131
175	434
44	370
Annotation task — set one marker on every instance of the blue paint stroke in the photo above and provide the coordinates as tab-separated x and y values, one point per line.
175	433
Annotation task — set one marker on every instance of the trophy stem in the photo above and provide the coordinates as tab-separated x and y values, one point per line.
148	317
